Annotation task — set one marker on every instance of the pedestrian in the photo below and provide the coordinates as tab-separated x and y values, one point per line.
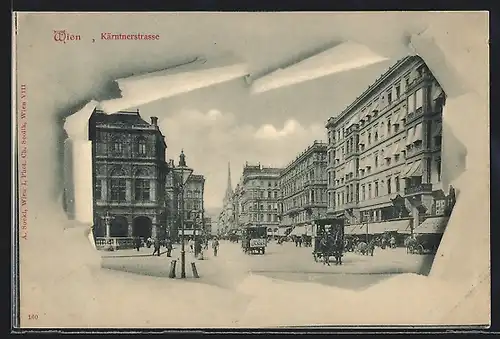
168	244
156	244
215	246
191	245
138	243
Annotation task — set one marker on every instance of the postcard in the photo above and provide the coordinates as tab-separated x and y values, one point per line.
251	170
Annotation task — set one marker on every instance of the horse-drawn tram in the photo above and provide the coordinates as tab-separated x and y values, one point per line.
254	239
328	240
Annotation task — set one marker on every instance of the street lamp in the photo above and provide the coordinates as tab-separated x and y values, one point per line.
107	220
183	172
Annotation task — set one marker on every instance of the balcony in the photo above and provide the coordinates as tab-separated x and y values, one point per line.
419	189
351	204
414	115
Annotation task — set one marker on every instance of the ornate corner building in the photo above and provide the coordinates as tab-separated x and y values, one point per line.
129	172
384	149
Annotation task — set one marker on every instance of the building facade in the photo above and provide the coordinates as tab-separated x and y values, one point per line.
172	201
193	205
303	186
384	150
258	196
128	160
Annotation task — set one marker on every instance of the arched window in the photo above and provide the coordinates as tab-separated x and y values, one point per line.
117	146
118	185
141	146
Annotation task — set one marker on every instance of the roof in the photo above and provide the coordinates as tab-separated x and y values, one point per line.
120	118
438	195
433	225
365	95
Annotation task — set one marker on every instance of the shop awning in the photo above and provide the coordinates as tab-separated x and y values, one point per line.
434	225
282	231
438	131
415	170
298	230
418	133
400	226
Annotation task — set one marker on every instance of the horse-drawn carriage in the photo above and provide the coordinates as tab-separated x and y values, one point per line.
422	243
254	239
328	240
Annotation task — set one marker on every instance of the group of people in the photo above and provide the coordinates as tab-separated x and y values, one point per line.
156	243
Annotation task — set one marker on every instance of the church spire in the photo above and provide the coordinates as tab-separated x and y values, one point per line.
229	189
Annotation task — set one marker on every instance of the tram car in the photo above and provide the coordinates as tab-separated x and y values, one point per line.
328	239
254	239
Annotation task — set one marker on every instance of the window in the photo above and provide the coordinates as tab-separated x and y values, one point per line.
389	188
438	168
376	189
389	98
118	190
388	126
411	103
398	91
98	189
396	181
407	82
142	146
376	160
419	98
369	138
369	191
117	147
375	136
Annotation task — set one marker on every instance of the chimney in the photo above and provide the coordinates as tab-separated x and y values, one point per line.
171	162
154	121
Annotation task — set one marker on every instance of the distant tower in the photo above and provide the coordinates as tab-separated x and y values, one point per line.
229	189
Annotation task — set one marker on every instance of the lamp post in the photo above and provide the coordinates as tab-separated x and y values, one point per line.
184	173
107	220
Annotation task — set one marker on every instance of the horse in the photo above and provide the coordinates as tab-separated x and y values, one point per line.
411	245
364	249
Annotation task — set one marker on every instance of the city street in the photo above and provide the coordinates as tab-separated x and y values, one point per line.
284	262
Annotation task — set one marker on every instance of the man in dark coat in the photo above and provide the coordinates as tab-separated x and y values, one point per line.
168	244
138	243
156	244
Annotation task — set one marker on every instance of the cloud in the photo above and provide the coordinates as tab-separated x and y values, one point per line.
212	139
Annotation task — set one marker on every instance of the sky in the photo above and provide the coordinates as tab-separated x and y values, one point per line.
225	123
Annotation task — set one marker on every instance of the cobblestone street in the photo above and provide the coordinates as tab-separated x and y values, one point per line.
285	262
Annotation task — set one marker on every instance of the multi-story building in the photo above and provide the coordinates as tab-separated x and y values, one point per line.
258	196
128	174
172	202
237	199
207	226
384	149
303	185
193	205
